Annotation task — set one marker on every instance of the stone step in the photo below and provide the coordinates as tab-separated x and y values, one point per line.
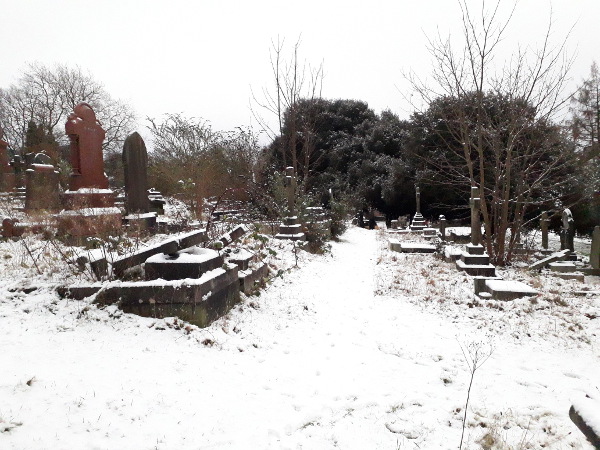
562	266
486	270
475	260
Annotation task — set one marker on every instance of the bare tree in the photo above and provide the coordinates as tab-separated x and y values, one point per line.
47	95
494	115
293	81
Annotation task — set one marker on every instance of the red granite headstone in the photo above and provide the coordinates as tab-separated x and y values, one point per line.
86	137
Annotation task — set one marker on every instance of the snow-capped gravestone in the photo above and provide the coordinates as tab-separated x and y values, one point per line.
89	201
567	232
474	260
7	174
41	184
418	222
135	164
291	228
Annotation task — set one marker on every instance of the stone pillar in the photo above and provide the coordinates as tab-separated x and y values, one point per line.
418	200
290	185
595	251
443	227
18	166
475	204
135	164
544	226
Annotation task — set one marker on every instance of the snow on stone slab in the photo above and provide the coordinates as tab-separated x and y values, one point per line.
354	349
510	286
191	255
585	413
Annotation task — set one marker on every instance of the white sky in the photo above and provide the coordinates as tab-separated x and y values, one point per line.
201	57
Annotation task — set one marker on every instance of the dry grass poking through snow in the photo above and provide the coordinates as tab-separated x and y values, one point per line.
428	281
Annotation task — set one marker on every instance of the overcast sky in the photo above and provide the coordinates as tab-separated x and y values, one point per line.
202	58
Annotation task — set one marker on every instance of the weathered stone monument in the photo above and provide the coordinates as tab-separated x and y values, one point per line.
7	174
567	232
474	260
41	183
418	222
88	184
291	228
89	201
544	221
135	163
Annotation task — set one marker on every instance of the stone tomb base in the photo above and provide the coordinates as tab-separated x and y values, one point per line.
198	301
190	263
476	262
291	229
140	222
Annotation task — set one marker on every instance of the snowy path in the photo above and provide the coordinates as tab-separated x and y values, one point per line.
318	361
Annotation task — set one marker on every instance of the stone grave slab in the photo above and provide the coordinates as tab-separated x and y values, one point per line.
170	246
558	256
562	266
508	289
189	263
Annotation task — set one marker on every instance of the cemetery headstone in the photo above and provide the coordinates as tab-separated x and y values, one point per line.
135	162
41	183
567	231
86	137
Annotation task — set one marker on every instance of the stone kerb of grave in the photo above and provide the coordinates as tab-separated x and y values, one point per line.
585	414
199	301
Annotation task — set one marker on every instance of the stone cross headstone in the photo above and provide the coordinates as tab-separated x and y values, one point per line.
135	163
475	204
595	250
567	231
544	226
443	227
86	137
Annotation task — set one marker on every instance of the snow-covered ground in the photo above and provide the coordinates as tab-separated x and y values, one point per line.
359	348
